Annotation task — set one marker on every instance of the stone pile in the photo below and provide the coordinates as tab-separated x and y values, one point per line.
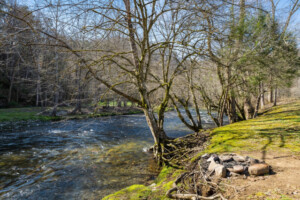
228	165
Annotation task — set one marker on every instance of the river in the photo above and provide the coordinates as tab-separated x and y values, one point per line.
78	159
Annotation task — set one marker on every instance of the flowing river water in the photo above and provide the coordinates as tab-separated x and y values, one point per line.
78	159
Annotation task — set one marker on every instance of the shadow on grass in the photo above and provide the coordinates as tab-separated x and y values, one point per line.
242	139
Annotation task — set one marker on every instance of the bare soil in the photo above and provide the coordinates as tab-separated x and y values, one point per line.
284	183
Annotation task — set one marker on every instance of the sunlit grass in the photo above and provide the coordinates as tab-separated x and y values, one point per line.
276	129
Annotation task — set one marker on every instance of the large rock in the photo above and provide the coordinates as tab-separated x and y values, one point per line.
238	169
259	169
213	158
239	158
213	165
226	158
220	171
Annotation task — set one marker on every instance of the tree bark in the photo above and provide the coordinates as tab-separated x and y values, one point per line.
275	96
257	106
262	96
271	95
12	79
79	91
248	108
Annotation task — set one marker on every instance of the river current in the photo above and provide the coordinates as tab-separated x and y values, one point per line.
78	159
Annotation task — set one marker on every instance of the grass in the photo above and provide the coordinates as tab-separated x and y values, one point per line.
32	113
276	129
113	103
163	183
25	114
131	192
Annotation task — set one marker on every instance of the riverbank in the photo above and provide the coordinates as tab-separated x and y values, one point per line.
274	137
63	113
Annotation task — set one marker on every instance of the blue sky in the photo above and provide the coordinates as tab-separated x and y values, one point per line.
283	9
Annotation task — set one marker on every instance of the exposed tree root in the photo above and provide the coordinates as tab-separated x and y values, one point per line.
201	180
197	183
175	151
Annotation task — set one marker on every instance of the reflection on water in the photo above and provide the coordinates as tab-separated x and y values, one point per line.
77	159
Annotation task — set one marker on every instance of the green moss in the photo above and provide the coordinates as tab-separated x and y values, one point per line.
164	182
23	114
197	156
276	129
164	173
132	192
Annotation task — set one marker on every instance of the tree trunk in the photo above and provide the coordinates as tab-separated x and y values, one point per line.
12	79
54	111
275	96
38	85
248	108
262	96
158	133
257	106
56	95
119	103
271	95
79	91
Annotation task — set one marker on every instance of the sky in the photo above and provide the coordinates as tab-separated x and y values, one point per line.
282	13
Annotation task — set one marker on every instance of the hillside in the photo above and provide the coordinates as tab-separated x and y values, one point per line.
273	137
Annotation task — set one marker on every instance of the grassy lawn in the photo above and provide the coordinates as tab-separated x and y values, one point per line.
17	114
276	129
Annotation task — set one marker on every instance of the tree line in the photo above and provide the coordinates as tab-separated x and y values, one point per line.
220	55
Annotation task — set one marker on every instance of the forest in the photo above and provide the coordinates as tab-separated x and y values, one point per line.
229	58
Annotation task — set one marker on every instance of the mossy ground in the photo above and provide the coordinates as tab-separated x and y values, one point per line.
157	191
277	129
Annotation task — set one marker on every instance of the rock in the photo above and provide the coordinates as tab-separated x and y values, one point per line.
239	158
230	169
225	158
152	185
213	158
259	169
233	174
213	165
220	171
253	161
205	156
238	169
210	159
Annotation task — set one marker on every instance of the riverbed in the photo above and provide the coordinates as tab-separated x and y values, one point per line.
78	159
